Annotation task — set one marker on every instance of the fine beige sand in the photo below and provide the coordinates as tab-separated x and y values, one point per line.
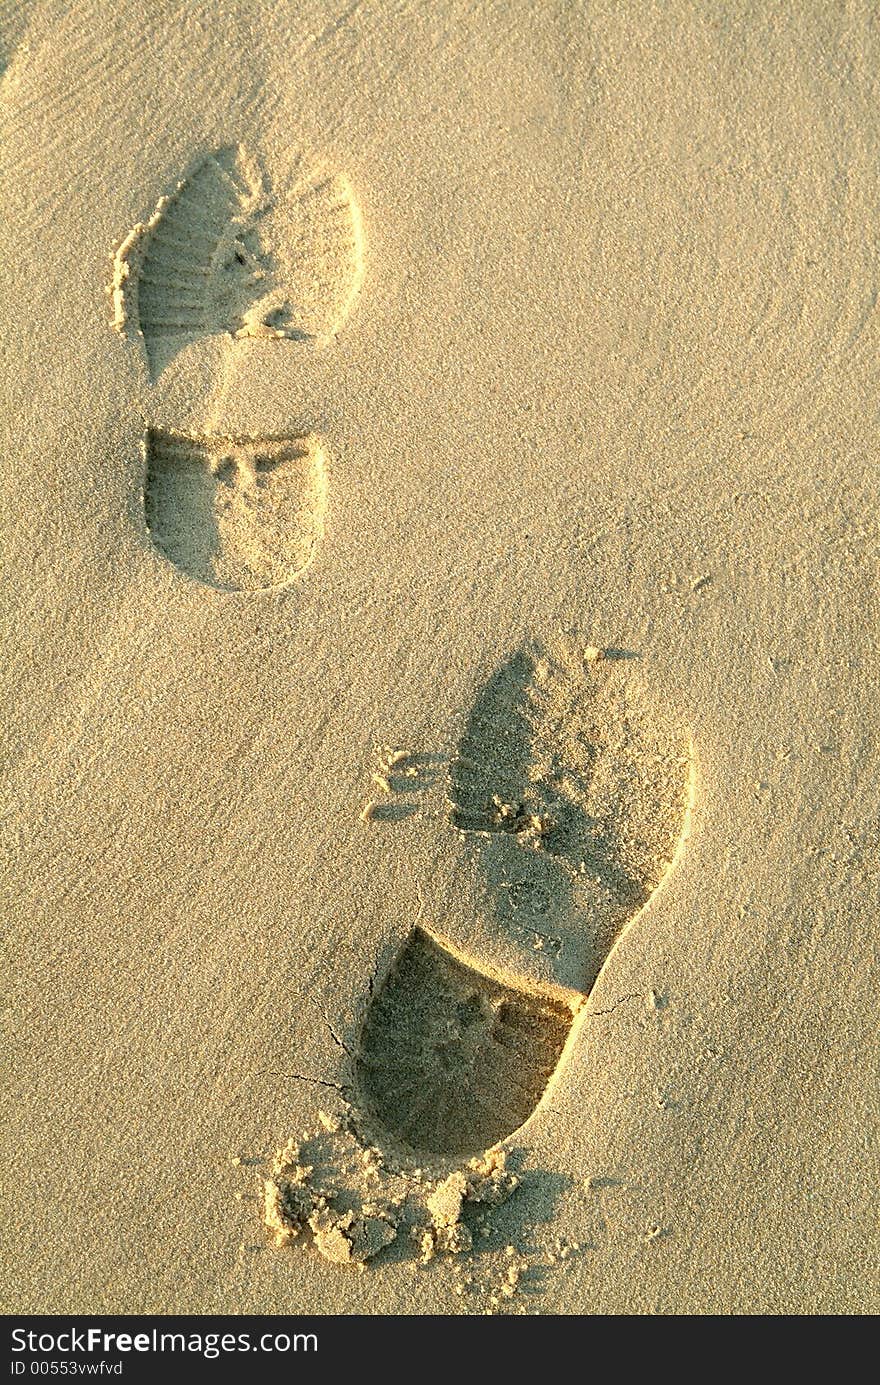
441	807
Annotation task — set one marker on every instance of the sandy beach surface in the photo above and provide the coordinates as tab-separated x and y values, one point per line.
441	813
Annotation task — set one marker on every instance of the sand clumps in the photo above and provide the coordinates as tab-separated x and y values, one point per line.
485	1181
339	1194
293	1204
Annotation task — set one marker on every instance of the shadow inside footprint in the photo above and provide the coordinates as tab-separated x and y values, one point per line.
451	1060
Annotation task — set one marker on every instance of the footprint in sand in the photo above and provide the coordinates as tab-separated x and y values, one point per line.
228	254
571	791
238	514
